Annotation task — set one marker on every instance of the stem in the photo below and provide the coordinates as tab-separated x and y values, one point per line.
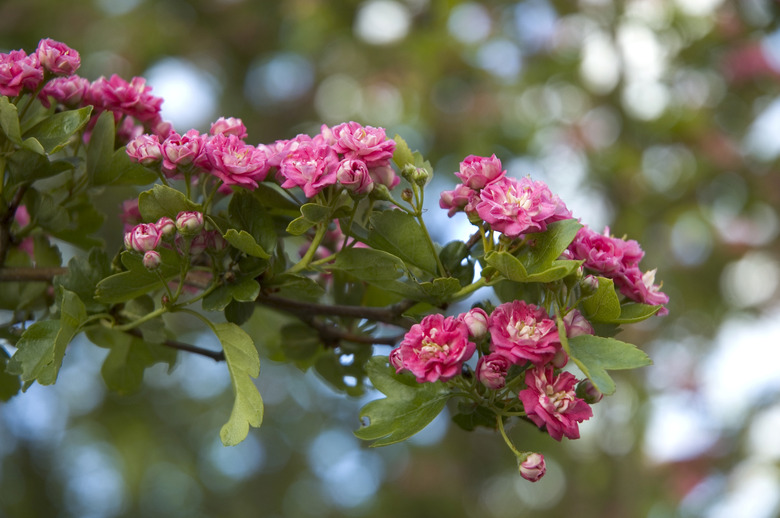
217	356
500	422
315	243
31	274
149	316
467	290
390	315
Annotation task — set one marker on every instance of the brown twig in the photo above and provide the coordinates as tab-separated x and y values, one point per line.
31	274
389	315
217	356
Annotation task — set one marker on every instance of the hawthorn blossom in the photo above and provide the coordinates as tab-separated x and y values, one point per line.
362	142
522	332
476	171
145	149
492	370
57	58
119	96
235	162
189	222
605	254
309	166
384	175
435	349
181	150
516	207
576	324
353	176
165	226
19	71
533	467
476	319
641	287
69	91
143	237
550	402
462	198
130	215
229	126
152	260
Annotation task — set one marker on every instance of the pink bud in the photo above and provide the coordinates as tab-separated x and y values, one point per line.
576	324
152	260
143	237
396	359
533	467
353	175
492	370
587	390
560	359
165	226
477	321
189	223
145	149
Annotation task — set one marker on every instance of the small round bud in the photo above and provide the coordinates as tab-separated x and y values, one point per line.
532	467
589	285
152	260
165	226
587	391
189	223
477	321
143	237
560	359
407	195
421	176
492	370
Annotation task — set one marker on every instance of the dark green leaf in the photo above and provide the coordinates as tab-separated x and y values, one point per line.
243	363
398	233
602	306
9	383
9	121
407	409
633	312
595	355
470	416
244	289
27	166
300	343
101	149
246	243
239	312
56	131
123	171
248	214
161	201
137	280
83	275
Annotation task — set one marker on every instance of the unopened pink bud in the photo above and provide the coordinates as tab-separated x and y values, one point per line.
587	390
492	370
145	149
560	359
533	467
165	226
189	223
143	237
152	260
477	321
396	359
576	324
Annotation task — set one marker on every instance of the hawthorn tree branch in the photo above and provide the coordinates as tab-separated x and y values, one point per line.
31	274
217	356
390	315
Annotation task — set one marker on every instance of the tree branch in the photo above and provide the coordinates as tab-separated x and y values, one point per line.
217	356
389	315
31	274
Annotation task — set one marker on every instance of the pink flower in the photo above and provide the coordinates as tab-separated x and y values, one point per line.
366	143
435	349
476	171
181	150
133	98
165	226
576	324
491	371
477	321
550	402
516	207
229	126
353	176
604	254
235	162
145	149
152	260
533	467
641	287
58	58
309	166
143	237
587	391
189	223
19	71
523	332
462	198
69	91
384	175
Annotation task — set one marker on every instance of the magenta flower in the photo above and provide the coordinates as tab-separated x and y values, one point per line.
309	166
551	402
142	238
476	171
522	332
69	91
145	149
462	198
605	254
229	126
516	207
641	287
182	150
133	98
533	467
492	370
58	58
365	143
435	349
235	162
353	176
19	71
384	175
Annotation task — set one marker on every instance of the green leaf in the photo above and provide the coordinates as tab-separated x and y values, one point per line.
604	305
595	355
42	346
239	312
455	257
137	280
399	233
128	358
243	363
56	131
100	149
407	409
311	214
300	343
634	312
439	290
246	243
514	270
248	214
123	171
471	415
546	247
161	201
367	264
402	154
244	289
27	166
9	121
9	383
83	275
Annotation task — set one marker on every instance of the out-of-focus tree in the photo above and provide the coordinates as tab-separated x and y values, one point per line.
655	117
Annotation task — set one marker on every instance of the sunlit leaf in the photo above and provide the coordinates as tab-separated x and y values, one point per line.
56	131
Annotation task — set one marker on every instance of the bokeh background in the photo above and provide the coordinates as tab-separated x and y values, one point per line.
659	118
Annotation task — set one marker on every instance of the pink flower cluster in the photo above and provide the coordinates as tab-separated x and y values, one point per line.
350	155
618	259
21	72
510	206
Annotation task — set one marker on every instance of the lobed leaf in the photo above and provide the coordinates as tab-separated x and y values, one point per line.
55	132
161	201
604	305
136	280
398	233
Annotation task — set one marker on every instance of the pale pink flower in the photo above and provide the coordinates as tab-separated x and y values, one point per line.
516	207
69	91
353	176
309	166
476	319
19	71
152	260
523	332
58	58
533	467
145	149
143	237
384	175
189	222
229	126
436	348
165	226
366	143
492	370
181	150
576	324
477	171
550	401
462	198
235	162
128	130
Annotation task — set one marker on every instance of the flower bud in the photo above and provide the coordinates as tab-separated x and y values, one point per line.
145	149
165	226
152	260
560	359
396	359
189	223
576	324
492	370
532	467
589	285
477	321
143	237
407	195
587	390
57	57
